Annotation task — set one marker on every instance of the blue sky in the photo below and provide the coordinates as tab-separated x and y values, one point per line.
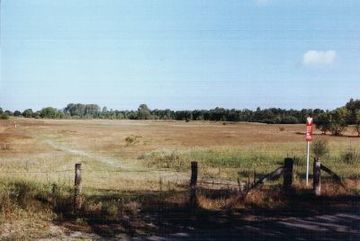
179	54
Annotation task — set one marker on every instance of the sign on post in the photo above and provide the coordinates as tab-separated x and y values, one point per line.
309	129
308	138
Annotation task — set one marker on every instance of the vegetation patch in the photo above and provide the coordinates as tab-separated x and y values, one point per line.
132	140
210	158
351	156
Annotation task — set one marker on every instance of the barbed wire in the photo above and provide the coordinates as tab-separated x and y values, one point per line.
37	172
218	183
85	170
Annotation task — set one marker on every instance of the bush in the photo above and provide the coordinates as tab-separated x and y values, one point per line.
350	156
320	148
167	159
299	161
132	140
4	116
5	201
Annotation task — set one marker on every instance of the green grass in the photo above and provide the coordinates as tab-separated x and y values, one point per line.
245	161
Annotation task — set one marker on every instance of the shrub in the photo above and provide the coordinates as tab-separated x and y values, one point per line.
131	140
299	161
5	200
4	116
167	159
320	148
350	156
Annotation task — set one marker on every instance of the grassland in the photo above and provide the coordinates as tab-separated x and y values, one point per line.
130	160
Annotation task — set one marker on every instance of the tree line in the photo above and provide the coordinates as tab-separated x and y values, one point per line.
334	121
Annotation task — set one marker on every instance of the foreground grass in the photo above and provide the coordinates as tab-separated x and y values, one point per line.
29	210
22	215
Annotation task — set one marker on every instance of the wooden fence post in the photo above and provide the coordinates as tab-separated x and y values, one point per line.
77	186
317	177
160	184
254	176
288	173
193	182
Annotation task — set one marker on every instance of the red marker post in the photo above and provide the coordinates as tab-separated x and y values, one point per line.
308	138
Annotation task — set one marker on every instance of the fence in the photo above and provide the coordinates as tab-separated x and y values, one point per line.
242	188
285	170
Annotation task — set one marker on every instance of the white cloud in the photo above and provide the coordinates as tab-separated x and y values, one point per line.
318	57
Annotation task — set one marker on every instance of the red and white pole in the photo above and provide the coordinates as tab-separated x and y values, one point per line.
308	138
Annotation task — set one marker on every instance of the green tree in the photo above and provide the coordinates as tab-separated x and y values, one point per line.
322	122
28	113
338	122
48	112
92	110
352	107
17	113
9	113
36	115
289	120
144	112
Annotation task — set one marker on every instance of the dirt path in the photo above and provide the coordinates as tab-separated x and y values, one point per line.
339	226
334	227
117	163
110	161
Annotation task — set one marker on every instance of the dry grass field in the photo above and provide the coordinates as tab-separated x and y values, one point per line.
124	159
55	145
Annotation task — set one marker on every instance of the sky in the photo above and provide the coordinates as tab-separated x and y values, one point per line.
179	54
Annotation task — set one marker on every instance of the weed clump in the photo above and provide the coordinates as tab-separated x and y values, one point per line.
166	159
132	140
320	148
351	156
299	161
